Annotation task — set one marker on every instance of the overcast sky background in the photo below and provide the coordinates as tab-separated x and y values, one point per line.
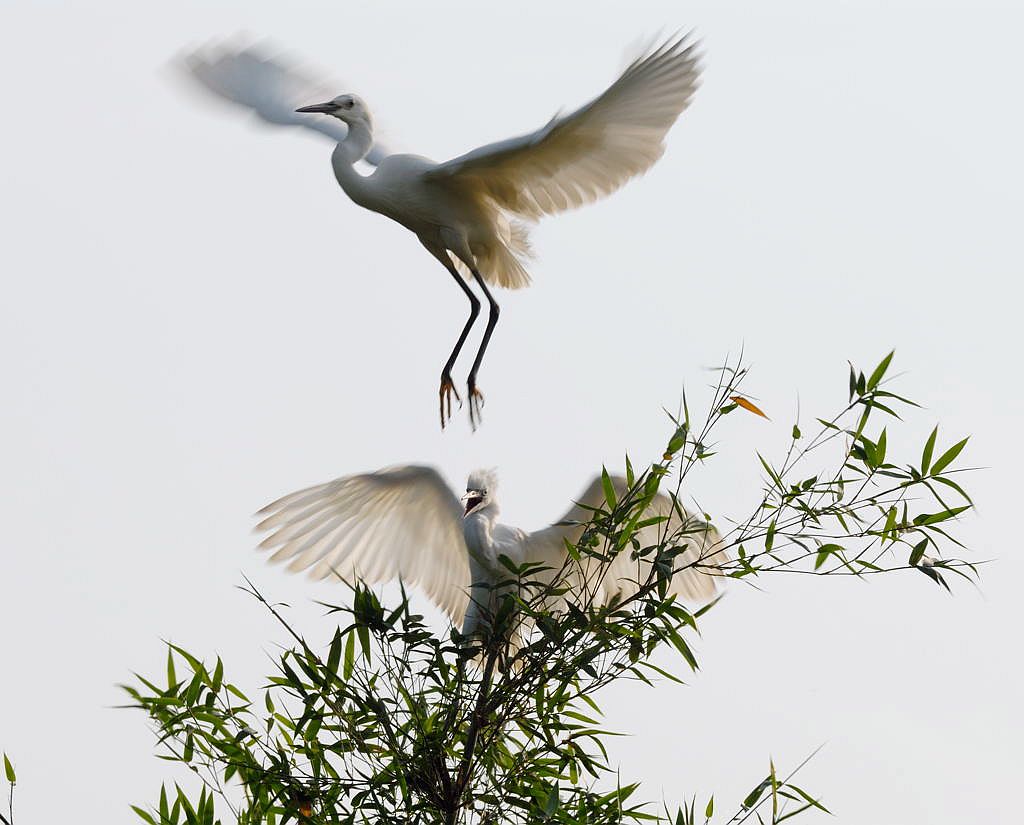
195	320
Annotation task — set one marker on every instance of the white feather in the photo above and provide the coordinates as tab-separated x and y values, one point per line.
405	522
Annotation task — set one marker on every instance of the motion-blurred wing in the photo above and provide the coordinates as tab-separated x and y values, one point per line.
693	585
398	522
271	87
590	153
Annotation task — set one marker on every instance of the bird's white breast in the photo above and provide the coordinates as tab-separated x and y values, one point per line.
487	540
399	190
478	530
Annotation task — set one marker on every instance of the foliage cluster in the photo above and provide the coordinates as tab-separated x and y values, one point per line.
395	722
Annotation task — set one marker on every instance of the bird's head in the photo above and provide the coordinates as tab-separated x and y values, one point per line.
480	488
348	108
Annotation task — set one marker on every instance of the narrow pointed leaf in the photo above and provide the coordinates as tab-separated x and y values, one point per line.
948	457
879	372
929	447
748	405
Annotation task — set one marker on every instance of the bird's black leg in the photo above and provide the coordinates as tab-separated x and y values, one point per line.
447	387
476	399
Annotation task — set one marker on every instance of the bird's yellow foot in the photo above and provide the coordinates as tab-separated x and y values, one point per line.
446	393
476	403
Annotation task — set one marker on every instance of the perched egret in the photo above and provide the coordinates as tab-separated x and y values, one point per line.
469	212
406	522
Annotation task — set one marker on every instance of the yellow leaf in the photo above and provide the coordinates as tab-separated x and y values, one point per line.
749	406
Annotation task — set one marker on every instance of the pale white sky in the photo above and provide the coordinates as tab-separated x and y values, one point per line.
195	320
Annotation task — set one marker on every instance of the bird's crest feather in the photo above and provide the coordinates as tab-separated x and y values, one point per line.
486	479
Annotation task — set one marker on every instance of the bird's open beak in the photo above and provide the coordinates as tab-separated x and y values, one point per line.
318	108
471	500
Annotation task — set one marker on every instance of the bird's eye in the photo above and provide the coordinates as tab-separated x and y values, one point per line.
347	104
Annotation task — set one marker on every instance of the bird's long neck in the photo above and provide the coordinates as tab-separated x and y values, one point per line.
357	142
352	149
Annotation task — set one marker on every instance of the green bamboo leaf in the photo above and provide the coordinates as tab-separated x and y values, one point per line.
364	640
572	714
900	398
236	693
678	440
775	790
926	519
868	451
609	488
143	815
825	551
771	471
876	376
950	483
948	457
218	675
350	655
710	809
879	406
9	770
194	663
810	800
664	673
890	525
683	648
652	483
862	422
929	447
551	803
755	794
334	654
918	552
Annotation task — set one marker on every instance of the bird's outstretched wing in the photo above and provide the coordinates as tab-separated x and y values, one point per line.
271	86
692	584
398	522
590	153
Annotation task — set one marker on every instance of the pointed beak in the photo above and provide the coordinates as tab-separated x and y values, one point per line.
318	108
471	500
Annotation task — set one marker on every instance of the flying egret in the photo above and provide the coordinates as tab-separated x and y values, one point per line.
469	212
406	522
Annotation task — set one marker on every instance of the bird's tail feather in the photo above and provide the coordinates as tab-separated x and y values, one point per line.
503	262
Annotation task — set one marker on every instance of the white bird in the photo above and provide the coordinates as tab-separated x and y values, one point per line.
406	522
469	212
